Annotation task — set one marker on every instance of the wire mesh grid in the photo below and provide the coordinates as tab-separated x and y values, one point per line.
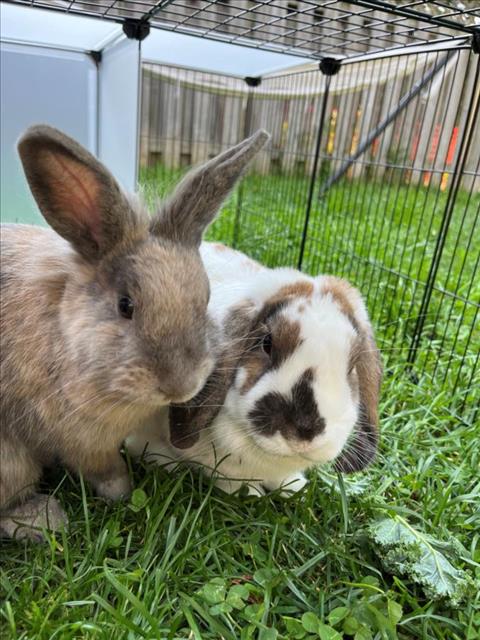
305	28
395	207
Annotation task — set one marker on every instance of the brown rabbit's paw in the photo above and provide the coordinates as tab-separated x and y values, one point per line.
114	489
28	520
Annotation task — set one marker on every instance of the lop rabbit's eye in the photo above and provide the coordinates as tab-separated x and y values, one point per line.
125	306
267	344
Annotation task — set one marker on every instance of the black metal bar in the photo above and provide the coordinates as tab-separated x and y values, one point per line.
271	31
404	102
329	67
162	4
473	112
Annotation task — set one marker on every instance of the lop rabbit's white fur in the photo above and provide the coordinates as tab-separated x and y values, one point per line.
296	383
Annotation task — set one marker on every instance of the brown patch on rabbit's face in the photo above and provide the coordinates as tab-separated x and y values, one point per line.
300	291
284	338
163	352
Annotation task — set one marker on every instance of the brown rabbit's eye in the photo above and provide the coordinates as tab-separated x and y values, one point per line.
267	344
125	306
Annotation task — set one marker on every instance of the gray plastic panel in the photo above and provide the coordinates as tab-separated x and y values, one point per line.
40	85
119	98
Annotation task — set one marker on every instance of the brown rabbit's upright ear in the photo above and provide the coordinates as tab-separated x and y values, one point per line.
187	420
76	194
361	449
198	197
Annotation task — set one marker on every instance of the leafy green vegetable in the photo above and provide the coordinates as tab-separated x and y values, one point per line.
424	559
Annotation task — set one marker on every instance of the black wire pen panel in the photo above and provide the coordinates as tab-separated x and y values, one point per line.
307	28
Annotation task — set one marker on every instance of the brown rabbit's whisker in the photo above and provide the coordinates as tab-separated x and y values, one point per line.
91	399
32	410
202	405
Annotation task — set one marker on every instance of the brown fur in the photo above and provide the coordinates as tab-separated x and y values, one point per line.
341	292
300	289
255	364
303	290
285	339
76	376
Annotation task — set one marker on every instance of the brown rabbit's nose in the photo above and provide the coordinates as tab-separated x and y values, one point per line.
178	399
180	391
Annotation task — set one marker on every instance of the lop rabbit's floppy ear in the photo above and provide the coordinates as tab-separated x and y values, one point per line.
362	447
187	420
76	194
361	450
198	197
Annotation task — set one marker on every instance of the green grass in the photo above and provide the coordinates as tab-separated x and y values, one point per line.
183	560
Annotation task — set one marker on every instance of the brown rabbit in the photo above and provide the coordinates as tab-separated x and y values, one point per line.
103	319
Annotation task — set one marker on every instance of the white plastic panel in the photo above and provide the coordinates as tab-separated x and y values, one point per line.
40	85
119	100
26	24
207	55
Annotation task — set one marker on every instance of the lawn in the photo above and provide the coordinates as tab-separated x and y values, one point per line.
393	552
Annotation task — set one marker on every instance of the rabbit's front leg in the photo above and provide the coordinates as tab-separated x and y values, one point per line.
232	486
288	485
108	474
27	520
23	512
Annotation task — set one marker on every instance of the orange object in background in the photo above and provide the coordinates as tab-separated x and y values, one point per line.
432	153
449	159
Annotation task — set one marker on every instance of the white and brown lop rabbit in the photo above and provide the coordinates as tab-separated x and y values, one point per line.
296	383
103	319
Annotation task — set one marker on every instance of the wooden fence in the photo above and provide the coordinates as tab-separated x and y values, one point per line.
189	116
